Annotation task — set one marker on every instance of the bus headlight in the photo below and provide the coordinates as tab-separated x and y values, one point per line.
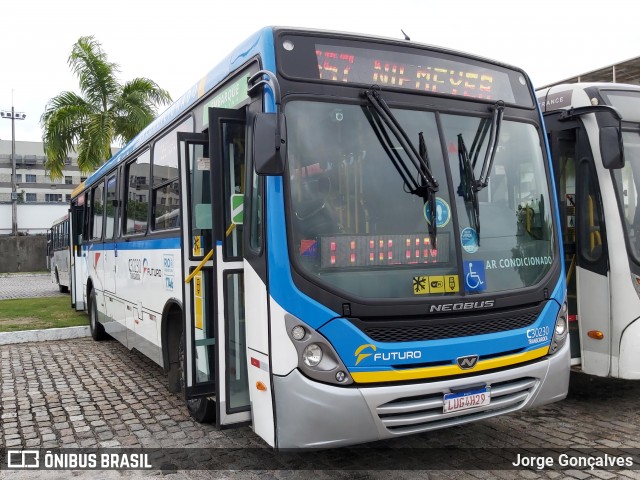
561	330
317	359
312	355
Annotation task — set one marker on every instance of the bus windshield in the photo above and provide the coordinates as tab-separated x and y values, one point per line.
627	185
627	179
357	229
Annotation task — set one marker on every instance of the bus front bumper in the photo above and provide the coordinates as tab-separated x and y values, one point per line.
316	415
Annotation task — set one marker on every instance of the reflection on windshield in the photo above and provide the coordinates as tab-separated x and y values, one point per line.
355	227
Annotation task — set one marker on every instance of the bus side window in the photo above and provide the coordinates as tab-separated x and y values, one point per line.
136	212
165	196
86	222
111	206
97	207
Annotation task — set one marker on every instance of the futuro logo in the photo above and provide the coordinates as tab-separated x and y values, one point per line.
361	356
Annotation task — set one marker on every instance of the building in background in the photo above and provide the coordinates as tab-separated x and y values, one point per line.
627	71
40	199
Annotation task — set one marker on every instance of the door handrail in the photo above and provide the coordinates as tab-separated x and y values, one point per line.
199	267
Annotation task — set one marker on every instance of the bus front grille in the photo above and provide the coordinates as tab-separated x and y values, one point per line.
422	413
443	327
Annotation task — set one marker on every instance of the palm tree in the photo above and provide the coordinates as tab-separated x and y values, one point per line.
105	111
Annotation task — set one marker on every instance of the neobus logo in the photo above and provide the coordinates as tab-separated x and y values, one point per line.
450	307
465	363
361	353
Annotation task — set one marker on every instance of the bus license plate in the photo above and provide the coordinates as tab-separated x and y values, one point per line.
455	402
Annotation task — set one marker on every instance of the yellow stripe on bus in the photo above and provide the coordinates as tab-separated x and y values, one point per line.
76	191
447	370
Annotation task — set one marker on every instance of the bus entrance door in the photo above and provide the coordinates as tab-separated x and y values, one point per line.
227	132
584	247
76	220
213	285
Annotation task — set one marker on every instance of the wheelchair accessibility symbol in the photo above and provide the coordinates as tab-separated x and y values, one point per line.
474	276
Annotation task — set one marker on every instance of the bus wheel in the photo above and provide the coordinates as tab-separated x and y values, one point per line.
202	409
61	288
97	329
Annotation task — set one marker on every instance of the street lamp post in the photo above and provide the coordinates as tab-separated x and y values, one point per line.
13	115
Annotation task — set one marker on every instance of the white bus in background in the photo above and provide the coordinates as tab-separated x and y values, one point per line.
58	253
594	135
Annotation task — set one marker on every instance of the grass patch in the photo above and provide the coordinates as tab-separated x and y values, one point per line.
39	313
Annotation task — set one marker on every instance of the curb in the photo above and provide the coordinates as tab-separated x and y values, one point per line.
47	335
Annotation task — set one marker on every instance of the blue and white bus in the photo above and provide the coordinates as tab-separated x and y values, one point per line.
337	239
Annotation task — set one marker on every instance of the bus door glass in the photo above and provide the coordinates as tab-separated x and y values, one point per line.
563	147
585	249
227	136
199	260
76	219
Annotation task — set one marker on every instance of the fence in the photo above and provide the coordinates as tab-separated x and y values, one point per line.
23	253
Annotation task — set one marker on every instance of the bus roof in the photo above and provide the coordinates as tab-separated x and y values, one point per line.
260	42
568	95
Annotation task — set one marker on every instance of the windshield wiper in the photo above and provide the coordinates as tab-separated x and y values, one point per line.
469	185
426	185
492	146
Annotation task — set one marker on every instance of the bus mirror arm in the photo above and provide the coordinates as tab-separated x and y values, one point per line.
269	129
269	138
610	122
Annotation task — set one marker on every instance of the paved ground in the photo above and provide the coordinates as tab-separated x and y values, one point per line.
79	393
27	285
85	394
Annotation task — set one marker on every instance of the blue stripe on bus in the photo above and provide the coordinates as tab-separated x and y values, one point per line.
347	340
282	288
167	243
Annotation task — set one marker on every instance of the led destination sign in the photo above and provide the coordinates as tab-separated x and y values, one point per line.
381	250
414	72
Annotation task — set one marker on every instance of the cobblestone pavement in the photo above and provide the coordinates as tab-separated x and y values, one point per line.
27	285
84	394
80	393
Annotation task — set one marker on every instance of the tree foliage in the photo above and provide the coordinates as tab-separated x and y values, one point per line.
105	112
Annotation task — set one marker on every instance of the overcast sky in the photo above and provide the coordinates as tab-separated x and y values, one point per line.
176	42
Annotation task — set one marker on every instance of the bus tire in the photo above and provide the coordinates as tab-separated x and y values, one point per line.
202	409
97	329
61	288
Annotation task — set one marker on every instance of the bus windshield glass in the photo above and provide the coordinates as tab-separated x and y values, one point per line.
627	102
627	179
356	228
627	185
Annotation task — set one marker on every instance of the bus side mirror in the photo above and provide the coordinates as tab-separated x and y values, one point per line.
611	148
79	242
269	143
